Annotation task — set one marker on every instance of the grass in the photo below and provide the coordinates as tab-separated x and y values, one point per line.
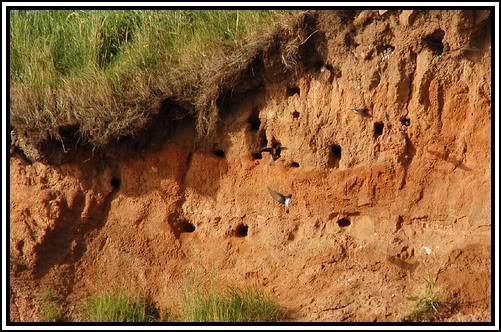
101	69
426	305
50	310
234	305
118	308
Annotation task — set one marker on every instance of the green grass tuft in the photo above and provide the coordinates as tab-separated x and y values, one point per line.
426	305
50	310
117	308
234	305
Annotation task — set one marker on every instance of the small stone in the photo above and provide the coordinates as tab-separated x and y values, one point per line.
361	18
407	17
427	250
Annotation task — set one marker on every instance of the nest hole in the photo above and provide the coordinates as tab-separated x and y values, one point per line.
242	230
254	120
115	183
257	155
405	121
295	114
344	222
218	153
185	226
263	141
329	67
318	65
378	129
69	131
334	156
293	90
434	42
294	164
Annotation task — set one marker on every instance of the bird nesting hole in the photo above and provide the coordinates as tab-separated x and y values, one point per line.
257	155
185	226
262	140
295	114
434	42
317	65
405	121
344	222
334	156
242	230
329	67
218	153
378	129
115	183
254	120
292	90
69	133
294	164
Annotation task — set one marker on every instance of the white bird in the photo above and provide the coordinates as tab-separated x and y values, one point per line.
286	200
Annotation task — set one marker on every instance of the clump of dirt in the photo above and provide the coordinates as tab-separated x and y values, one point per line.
388	129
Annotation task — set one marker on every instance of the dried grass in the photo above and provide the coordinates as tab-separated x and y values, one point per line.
116	98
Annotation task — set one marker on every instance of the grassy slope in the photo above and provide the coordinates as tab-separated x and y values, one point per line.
102	69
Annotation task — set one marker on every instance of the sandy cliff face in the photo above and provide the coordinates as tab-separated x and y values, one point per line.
370	189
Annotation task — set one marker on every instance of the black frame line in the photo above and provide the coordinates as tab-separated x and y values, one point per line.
292	6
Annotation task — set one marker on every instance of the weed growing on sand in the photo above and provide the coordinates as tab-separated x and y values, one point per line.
118	308
234	305
427	304
50	310
51	313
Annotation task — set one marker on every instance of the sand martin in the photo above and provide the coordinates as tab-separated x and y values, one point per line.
286	200
274	150
363	111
